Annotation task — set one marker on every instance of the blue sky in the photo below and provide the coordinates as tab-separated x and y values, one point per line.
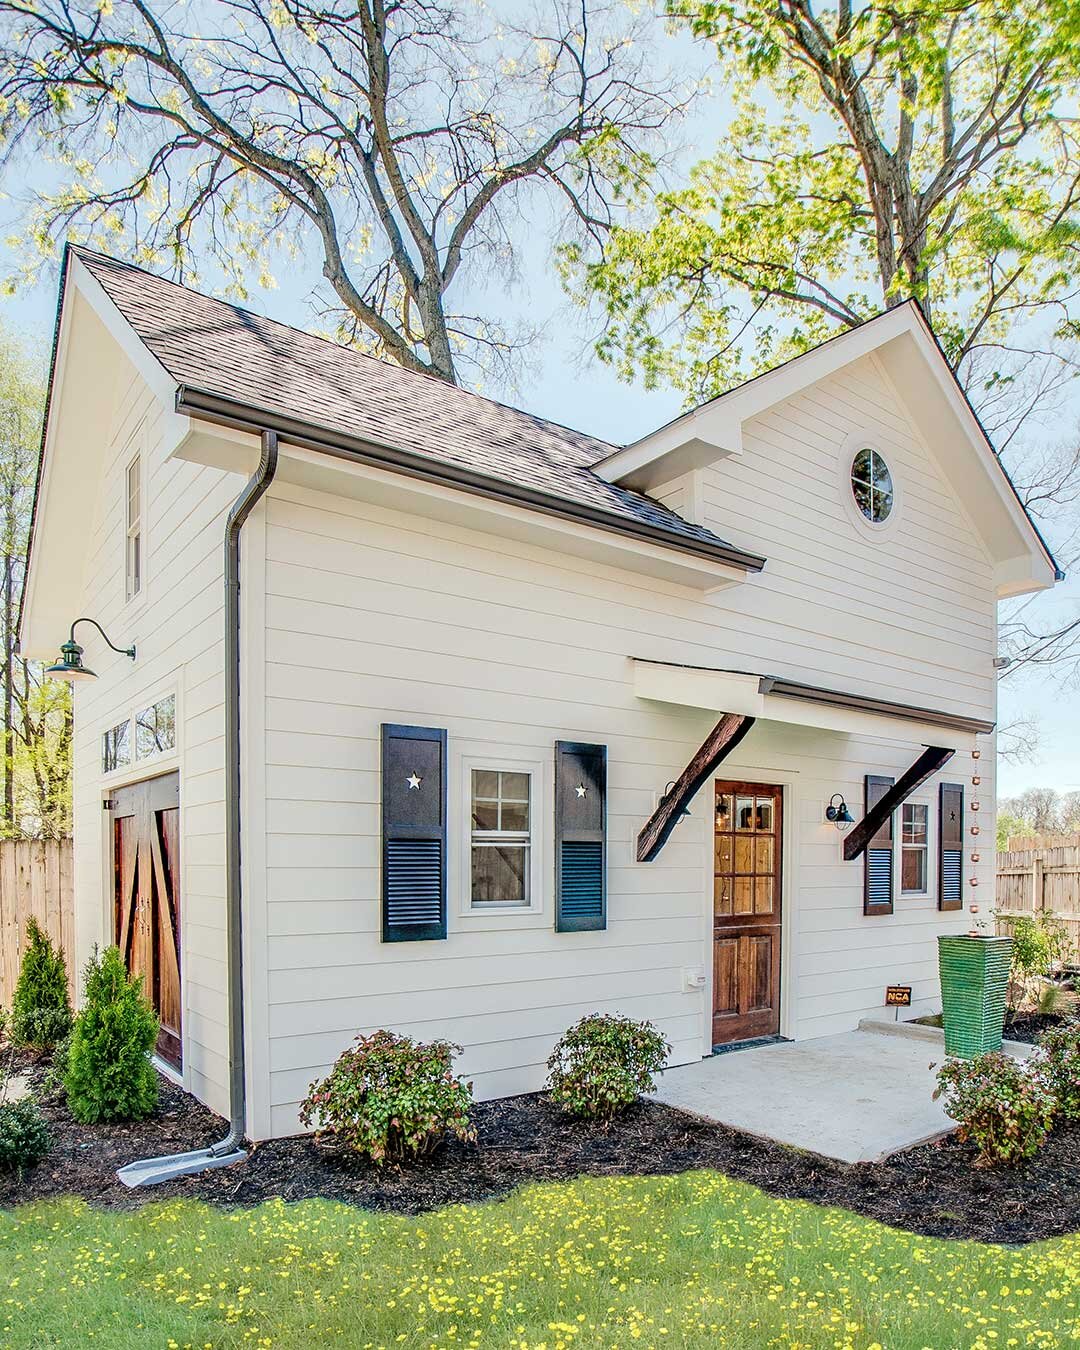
563	381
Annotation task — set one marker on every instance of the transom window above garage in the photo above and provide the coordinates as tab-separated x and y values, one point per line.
872	486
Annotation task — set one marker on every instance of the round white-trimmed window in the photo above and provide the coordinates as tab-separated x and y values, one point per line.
872	486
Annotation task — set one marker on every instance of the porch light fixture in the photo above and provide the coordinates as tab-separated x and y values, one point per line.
70	666
837	812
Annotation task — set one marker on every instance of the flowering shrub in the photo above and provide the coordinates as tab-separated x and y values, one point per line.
390	1097
1061	1066
601	1064
1005	1109
24	1138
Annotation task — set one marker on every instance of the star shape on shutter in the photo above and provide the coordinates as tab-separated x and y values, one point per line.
580	790
414	781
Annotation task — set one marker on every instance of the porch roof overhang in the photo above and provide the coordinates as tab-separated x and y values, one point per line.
778	699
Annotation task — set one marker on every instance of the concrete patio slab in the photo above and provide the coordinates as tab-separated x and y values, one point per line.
857	1097
15	1088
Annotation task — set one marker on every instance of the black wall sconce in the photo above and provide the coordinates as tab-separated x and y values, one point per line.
838	814
70	666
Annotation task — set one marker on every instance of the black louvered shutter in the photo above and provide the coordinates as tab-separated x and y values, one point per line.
413	833
950	846
580	825
878	876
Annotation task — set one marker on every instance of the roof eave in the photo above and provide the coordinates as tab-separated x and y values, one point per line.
210	406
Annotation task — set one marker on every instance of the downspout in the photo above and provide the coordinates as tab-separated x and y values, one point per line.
149	1171
243	506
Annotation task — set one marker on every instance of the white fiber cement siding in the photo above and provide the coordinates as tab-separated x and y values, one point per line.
376	616
176	624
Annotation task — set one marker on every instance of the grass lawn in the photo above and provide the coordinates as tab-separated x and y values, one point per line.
690	1260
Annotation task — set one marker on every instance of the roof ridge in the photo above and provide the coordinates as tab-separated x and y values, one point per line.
605	447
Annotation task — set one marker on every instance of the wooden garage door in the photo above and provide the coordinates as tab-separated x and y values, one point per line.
146	881
746	911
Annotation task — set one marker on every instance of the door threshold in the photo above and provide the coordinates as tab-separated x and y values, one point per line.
751	1043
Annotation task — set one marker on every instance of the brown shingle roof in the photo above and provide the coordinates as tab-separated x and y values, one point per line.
222	350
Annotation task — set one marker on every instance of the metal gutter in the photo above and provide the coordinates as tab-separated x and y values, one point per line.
381	454
228	1150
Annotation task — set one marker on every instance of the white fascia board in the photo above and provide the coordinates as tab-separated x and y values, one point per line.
720	691
717	425
157	378
324	473
93	341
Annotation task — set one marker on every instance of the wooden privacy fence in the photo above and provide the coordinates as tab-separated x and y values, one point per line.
35	879
1044	879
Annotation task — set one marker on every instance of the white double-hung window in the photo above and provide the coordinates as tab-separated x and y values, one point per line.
501	839
914	840
133	554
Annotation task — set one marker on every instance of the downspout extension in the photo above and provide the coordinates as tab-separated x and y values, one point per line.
149	1171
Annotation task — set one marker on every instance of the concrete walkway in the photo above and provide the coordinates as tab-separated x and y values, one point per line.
857	1097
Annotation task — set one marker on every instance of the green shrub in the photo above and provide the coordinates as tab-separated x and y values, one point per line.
109	1075
41	1009
603	1062
1040	942
390	1097
24	1138
1061	1066
1005	1109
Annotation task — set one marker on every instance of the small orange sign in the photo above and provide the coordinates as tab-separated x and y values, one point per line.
898	996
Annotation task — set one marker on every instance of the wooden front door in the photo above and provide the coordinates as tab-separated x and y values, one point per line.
146	895
746	911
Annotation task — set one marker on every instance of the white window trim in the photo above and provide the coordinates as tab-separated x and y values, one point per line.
135	456
137	768
849	448
899	850
541	819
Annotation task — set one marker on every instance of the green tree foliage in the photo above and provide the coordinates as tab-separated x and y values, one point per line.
876	151
35	713
41	1008
394	138
109	1075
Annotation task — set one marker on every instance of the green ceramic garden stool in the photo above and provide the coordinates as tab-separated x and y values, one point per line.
974	981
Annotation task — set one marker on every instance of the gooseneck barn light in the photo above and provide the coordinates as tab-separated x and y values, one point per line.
70	666
837	811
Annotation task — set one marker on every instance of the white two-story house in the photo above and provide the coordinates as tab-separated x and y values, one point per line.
447	719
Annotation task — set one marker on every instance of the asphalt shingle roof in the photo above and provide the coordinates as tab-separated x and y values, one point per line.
221	349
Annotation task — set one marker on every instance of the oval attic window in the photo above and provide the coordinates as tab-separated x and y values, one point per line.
872	486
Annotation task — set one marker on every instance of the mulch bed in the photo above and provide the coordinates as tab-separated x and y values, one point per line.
933	1190
1029	1026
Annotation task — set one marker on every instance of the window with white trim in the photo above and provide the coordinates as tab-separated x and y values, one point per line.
872	485
914	840
133	549
501	841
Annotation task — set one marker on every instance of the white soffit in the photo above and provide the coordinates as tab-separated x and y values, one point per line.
721	691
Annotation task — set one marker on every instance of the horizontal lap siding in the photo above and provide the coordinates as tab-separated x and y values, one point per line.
376	616
177	628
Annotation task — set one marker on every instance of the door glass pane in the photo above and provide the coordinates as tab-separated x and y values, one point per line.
744	854
723	811
763	895
744	895
764	813
723	852
722	895
763	847
744	813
